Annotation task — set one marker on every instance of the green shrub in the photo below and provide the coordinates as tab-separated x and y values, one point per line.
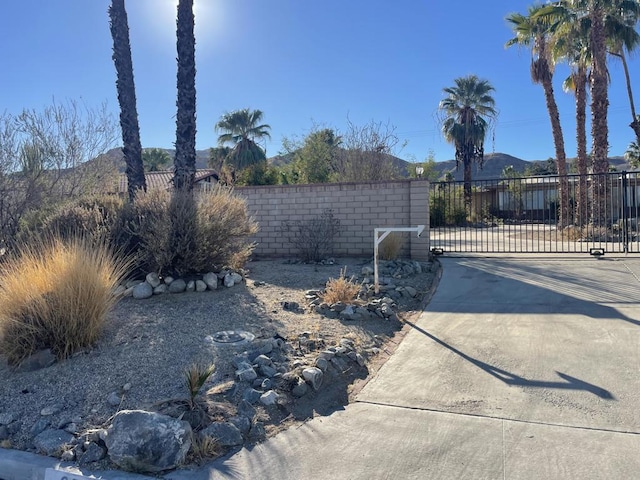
56	296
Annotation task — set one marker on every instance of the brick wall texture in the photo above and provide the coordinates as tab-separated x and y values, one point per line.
360	207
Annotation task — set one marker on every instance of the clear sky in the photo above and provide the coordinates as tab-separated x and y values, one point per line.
300	62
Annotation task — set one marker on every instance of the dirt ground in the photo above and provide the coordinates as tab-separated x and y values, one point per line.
147	345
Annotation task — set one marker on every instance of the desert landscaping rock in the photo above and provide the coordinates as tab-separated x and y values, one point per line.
50	442
93	453
7	418
142	290
301	389
51	410
177	286
211	280
313	375
251	395
242	423
147	442
39	426
160	289
246	409
200	286
225	433
269	398
191	286
114	399
153	279
247	374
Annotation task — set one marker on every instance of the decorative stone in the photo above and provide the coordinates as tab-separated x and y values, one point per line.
257	431
93	453
262	360
246	374
236	277
313	375
50	442
160	289
211	280
251	395
177	286
50	410
133	283
246	409
225	433
142	290
200	286
266	348
191	286
411	291
242	423
269	398
322	364
153	279
147	442
228	281
267	371
114	399
40	426
367	271
168	280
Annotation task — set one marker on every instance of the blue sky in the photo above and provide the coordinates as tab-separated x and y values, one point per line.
300	62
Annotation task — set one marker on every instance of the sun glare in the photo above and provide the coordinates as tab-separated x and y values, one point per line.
160	17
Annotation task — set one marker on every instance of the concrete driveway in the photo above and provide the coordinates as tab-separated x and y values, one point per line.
520	368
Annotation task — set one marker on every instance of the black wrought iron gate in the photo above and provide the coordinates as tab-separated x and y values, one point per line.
549	214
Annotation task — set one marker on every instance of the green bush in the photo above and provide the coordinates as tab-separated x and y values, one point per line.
56	296
446	208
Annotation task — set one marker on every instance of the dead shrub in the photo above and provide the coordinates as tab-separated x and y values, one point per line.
341	289
56	296
390	247
203	448
313	238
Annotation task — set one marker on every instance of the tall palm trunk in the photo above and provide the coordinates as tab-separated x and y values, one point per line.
558	142
635	122
132	148
580	81
185	159
599	105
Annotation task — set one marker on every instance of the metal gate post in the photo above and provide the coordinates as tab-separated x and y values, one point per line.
625	214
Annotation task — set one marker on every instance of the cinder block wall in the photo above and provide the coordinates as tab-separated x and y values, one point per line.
360	207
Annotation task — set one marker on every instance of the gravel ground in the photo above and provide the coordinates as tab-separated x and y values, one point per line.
148	344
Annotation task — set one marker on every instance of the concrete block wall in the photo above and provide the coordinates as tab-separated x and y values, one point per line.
360	207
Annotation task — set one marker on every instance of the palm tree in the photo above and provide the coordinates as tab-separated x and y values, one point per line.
632	155
155	159
185	159
465	108
620	22
571	43
534	32
242	128
132	149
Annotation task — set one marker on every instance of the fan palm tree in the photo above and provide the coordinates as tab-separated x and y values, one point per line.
242	129
571	44
185	157
132	149
534	32
467	108
632	155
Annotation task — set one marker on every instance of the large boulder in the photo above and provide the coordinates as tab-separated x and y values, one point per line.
142	441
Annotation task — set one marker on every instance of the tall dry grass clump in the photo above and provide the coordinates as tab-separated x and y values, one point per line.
341	289
56	296
390	247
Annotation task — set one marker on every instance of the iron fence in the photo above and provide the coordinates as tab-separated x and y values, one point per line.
548	214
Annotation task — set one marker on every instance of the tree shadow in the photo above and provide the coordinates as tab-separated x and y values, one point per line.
599	289
569	383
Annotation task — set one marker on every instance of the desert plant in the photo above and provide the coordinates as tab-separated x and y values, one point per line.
203	448
341	289
56	296
390	247
313	238
195	377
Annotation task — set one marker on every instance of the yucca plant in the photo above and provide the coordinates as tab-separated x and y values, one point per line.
195	377
56	296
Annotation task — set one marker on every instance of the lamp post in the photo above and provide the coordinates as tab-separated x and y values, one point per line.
419	171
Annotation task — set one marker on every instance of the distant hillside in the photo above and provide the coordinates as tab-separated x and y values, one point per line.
115	154
493	165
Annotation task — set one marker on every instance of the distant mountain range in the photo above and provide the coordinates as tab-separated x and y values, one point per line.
493	165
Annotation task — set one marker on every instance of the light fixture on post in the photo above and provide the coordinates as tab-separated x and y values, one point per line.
419	171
